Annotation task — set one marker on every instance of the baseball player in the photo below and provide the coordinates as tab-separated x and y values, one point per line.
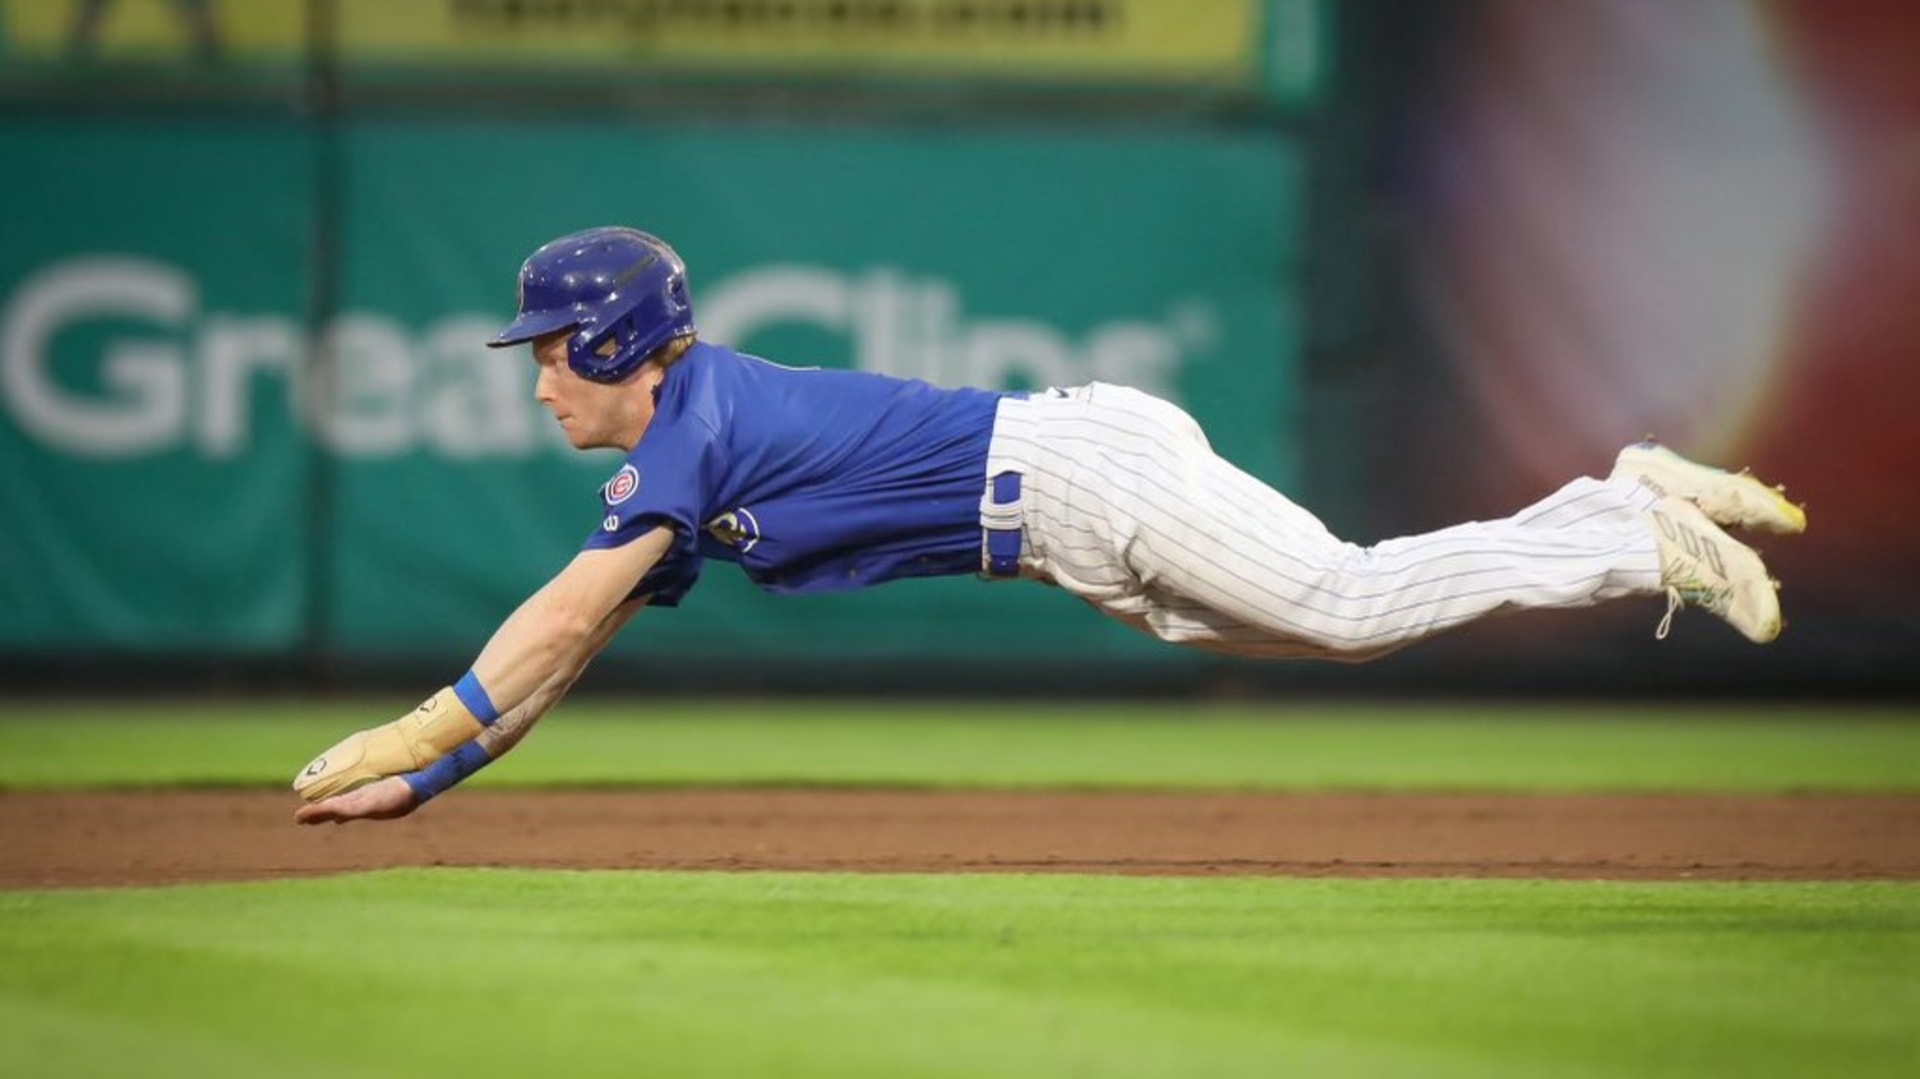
815	480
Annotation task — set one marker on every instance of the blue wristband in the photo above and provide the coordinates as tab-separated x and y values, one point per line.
466	759
474	696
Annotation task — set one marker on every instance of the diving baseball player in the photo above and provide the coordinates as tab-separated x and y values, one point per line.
815	480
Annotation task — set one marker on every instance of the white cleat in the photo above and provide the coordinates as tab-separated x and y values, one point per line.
1701	566
1734	499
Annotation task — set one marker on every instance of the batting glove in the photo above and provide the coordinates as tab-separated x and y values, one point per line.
408	744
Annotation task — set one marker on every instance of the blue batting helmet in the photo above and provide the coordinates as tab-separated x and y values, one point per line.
614	285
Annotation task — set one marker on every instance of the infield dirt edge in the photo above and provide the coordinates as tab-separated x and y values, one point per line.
115	838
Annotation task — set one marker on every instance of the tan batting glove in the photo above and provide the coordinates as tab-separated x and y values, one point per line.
408	744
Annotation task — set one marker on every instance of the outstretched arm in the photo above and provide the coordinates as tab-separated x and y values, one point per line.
562	625
528	664
395	796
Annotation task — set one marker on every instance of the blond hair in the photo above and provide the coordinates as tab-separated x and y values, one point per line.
665	356
669	354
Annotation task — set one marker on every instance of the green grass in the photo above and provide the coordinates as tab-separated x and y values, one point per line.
493	972
1504	748
479	973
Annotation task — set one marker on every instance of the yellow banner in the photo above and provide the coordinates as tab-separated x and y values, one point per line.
1210	40
154	31
1204	41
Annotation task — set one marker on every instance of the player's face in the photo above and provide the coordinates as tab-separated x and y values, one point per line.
593	414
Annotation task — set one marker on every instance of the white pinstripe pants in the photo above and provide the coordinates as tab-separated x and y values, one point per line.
1125	505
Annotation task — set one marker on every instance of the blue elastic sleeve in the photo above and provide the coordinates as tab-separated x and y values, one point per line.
474	696
466	759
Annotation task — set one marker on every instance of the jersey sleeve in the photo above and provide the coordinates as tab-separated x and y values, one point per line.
668	479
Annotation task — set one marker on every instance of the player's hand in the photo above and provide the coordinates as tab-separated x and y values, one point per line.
408	744
357	760
382	800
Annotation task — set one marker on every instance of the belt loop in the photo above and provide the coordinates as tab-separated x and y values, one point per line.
1001	526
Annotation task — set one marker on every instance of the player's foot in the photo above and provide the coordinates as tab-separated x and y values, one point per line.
1734	499
1701	566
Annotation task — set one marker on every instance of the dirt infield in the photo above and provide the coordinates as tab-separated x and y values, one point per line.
53	839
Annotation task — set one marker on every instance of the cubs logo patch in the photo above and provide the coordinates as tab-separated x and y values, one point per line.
622	485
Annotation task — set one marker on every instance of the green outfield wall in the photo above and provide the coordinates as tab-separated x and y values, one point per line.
247	407
249	253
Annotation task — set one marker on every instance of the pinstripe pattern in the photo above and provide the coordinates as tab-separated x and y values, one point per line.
1126	506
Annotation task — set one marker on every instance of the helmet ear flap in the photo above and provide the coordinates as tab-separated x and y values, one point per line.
607	353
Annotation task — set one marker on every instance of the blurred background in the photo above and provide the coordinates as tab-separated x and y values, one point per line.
1410	263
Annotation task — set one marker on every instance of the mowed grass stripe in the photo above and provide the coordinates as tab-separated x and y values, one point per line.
1546	747
508	973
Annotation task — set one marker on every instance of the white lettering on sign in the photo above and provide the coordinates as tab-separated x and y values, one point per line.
916	329
170	375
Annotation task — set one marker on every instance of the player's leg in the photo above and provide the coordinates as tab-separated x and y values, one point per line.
1129	509
1586	543
1232	568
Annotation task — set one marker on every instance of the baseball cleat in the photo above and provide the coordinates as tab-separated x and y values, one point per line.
1733	499
1701	566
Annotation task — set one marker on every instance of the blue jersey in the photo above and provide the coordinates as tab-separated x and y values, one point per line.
812	480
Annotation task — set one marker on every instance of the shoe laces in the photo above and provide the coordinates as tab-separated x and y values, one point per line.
1693	594
1675	601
